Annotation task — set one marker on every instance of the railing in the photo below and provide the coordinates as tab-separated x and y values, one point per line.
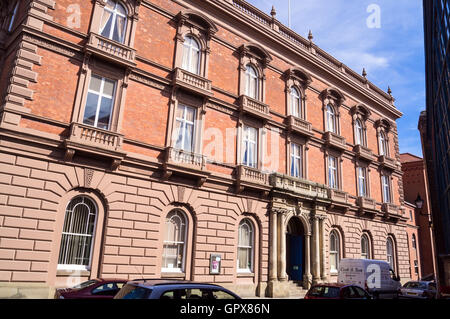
304	44
335	140
92	136
298	186
366	203
338	196
299	125
255	107
111	49
184	158
252	175
363	151
193	80
387	161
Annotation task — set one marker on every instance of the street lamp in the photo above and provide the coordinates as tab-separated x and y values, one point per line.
419	202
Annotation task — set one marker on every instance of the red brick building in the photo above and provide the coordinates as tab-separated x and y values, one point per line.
414	185
139	137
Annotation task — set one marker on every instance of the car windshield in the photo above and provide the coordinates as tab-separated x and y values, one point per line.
133	292
324	292
415	285
85	284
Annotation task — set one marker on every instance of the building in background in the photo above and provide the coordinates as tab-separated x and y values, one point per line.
415	186
413	242
434	126
108	166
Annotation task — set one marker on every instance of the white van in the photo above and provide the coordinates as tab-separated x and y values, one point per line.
376	276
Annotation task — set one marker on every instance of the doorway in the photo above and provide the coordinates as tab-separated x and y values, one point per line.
295	247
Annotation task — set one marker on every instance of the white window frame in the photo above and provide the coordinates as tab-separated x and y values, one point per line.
183	127
249	78
390	254
386	186
114	14
296	161
247	143
249	249
193	46
333	176
335	253
99	101
66	266
13	16
182	216
359	133
331	119
365	244
296	100
383	147
362	182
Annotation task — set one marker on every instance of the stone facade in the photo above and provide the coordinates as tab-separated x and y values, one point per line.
135	176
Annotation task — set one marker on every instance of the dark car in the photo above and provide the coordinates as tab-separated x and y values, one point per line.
337	291
418	290
99	288
173	289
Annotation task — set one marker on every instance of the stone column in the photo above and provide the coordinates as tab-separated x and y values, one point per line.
282	237
273	247
323	255
315	250
307	274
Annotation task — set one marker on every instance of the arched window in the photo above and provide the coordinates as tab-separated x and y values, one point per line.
331	119
296	102
245	246
365	247
390	252
359	133
191	55
334	251
114	21
78	234
174	249
251	81
383	144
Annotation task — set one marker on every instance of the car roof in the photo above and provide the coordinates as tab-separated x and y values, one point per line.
111	280
334	284
170	282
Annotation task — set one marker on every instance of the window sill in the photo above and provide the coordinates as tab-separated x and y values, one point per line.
245	275
73	272
176	275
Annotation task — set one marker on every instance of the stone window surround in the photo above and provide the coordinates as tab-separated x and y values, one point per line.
187	26
333	97
261	139
361	112
94	66
256	245
257	57
187	274
299	79
303	143
93	271
384	126
394	251
338	156
368	170
132	8
368	235
338	233
180	96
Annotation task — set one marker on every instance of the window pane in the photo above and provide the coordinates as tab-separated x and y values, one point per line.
119	29
189	132
105	113
90	109
108	87
95	83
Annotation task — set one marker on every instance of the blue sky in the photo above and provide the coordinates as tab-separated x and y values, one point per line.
393	54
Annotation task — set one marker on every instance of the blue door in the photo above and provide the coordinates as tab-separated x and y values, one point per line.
295	267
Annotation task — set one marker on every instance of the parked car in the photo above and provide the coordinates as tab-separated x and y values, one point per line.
376	276
172	289
99	288
418	290
337	291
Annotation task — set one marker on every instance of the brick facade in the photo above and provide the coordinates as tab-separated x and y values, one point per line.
134	175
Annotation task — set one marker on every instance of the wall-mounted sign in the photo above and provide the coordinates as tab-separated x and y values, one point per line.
214	264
